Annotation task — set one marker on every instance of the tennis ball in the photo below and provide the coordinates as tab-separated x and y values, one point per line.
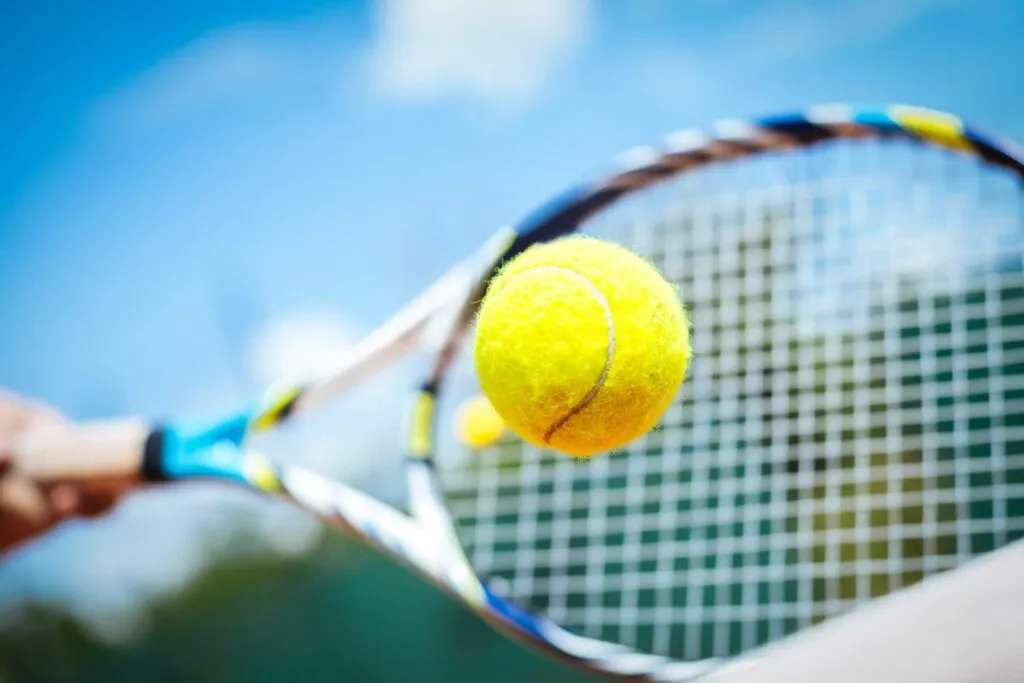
477	423
581	345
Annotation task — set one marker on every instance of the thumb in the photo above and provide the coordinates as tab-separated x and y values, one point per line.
23	508
20	496
65	500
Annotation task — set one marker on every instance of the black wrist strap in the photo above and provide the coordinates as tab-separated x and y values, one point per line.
153	456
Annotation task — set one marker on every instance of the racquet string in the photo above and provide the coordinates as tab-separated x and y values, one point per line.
853	419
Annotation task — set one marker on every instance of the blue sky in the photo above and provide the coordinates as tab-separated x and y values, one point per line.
173	181
194	200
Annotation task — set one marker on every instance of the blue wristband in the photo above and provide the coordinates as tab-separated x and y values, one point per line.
211	449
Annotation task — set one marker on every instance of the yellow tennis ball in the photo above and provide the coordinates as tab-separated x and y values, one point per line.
477	423
581	345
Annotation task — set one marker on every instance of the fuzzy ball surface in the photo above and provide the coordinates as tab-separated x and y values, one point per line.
477	423
581	345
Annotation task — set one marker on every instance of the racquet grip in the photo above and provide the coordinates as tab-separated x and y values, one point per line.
87	453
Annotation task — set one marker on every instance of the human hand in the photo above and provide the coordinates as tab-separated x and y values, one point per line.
26	508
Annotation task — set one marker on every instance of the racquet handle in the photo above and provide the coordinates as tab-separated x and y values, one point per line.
91	453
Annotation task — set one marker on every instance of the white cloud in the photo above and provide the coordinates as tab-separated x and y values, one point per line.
500	52
218	69
293	347
236	64
497	51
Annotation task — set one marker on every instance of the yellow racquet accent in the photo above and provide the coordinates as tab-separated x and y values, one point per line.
260	474
938	127
420	429
272	414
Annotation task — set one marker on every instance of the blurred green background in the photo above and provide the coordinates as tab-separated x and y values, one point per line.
342	613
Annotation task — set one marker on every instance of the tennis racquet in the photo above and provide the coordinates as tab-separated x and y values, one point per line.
738	195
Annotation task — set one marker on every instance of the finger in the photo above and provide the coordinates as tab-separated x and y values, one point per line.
22	502
24	512
65	500
68	499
